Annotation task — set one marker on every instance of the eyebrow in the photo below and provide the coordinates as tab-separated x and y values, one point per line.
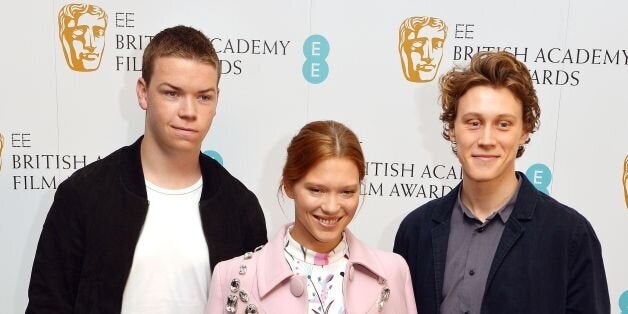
211	89
501	115
349	186
170	86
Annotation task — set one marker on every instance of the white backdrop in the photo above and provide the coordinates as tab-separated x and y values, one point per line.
577	52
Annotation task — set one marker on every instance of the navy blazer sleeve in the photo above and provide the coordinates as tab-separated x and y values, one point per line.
587	290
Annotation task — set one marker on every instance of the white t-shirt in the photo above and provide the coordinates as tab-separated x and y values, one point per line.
170	272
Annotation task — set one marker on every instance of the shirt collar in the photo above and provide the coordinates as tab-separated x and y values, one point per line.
503	213
299	252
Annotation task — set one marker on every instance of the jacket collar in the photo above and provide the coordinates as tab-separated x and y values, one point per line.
132	174
526	200
445	205
361	254
272	268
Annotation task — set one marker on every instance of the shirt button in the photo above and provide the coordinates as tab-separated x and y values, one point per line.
467	312
472	272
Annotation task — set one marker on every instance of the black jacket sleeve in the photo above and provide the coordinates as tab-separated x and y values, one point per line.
59	257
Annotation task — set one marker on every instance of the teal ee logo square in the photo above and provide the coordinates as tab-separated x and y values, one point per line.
315	68
215	155
540	176
623	303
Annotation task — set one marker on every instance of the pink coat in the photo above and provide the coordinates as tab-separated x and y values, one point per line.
273	288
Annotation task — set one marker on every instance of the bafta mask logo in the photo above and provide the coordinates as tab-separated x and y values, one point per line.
421	40
82	34
1	148
626	180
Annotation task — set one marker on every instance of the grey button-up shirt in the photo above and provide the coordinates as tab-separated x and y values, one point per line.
470	251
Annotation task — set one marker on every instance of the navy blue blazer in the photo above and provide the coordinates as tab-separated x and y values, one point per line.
548	259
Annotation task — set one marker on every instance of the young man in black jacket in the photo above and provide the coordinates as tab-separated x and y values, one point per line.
140	230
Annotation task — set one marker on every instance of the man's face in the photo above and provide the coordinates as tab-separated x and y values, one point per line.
488	131
180	103
84	41
424	49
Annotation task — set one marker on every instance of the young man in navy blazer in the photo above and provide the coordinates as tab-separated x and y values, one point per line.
495	244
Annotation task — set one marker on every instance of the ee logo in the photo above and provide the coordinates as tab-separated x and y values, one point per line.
540	176
215	155
623	302
316	50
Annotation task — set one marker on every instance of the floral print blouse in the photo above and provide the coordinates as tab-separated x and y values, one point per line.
324	274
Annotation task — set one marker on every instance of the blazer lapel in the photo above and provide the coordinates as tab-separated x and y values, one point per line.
514	229
440	237
272	268
512	232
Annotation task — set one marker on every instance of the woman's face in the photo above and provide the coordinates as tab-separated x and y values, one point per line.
325	200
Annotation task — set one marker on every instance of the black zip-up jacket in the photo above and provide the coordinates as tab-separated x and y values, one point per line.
86	247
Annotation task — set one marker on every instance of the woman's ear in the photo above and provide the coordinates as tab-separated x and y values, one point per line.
288	190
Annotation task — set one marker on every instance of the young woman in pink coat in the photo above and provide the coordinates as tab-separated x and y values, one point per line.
316	265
